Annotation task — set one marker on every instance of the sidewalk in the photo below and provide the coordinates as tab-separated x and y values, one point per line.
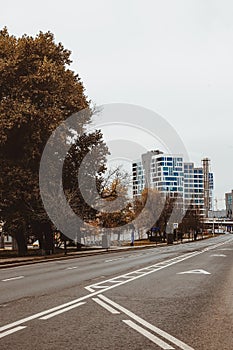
19	261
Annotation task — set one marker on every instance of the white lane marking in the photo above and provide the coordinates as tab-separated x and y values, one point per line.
155	268
115	281
226	249
61	311
146	324
4	334
72	268
222	255
195	272
106	306
93	293
12	278
139	272
142	272
110	260
148	335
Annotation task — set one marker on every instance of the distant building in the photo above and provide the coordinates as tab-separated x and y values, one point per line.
218	214
229	203
194	187
169	174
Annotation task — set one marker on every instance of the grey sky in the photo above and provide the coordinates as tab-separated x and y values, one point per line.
172	56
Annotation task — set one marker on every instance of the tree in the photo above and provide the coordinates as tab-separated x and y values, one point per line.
152	202
158	210
87	155
115	209
37	92
192	221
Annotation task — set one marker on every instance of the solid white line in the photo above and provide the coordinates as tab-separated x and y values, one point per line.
90	289
148	335
13	278
147	324
106	306
12	331
61	311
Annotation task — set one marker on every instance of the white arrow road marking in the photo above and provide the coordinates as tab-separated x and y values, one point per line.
13	278
106	306
223	255
13	330
148	335
195	271
61	311
146	324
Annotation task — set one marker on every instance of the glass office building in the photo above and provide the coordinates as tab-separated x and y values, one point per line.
165	173
169	174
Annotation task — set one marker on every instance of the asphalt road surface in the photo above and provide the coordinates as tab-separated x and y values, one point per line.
173	297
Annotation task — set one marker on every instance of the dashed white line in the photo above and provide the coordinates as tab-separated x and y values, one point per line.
12	278
225	249
110	260
221	255
148	335
72	268
13	330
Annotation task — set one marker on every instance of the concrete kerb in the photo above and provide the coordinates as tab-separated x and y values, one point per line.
14	262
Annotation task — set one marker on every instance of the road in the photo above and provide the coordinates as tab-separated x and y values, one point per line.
174	297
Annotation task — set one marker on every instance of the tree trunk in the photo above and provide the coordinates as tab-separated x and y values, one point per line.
21	242
78	243
2	242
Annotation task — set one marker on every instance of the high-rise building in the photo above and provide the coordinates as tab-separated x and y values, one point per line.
169	174
164	172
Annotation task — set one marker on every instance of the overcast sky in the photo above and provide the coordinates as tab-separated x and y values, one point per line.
174	57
